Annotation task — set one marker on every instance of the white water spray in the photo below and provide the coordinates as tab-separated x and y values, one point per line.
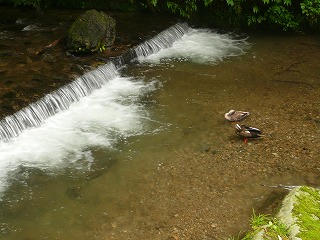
97	120
202	46
98	107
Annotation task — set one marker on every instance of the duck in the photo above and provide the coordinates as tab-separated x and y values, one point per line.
236	116
248	132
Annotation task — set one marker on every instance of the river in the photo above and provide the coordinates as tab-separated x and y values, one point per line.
149	155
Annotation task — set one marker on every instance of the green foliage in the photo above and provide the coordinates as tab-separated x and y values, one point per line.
235	5
271	227
307	211
274	13
122	5
102	47
286	15
311	11
36	4
259	220
186	10
276	228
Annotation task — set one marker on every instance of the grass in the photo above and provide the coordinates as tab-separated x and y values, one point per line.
306	214
271	227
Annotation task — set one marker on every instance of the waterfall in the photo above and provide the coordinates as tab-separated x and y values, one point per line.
56	101
60	99
163	40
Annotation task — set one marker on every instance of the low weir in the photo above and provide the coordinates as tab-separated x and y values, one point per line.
59	100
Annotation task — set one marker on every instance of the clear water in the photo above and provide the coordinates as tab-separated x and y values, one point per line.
46	169
82	174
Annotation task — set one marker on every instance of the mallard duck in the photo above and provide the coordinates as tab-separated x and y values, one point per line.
236	116
247	132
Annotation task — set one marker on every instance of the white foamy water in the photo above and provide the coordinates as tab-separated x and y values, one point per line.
201	46
98	120
110	112
32	27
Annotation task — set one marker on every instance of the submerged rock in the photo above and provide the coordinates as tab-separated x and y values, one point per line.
91	32
75	193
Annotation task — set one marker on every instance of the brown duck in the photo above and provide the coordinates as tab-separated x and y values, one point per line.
236	116
248	132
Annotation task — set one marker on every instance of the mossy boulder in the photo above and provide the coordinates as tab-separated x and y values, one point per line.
297	219
300	211
91	32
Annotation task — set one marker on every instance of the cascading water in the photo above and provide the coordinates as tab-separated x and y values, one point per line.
96	125
61	99
58	129
99	107
162	40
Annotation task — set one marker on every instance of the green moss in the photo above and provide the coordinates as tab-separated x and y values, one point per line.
299	217
307	212
92	31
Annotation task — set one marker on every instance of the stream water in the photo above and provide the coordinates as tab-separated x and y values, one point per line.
148	155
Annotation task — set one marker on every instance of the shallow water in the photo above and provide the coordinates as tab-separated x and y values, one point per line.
160	142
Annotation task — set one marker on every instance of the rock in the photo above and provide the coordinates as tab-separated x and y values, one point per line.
75	193
299	213
91	32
